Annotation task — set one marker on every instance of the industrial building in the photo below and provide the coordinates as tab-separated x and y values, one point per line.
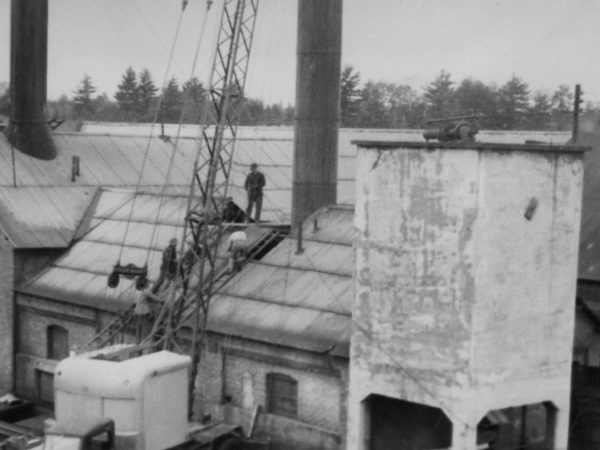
264	323
426	295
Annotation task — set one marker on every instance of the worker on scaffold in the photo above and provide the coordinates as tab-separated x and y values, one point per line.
187	263
255	182
168	267
145	310
238	250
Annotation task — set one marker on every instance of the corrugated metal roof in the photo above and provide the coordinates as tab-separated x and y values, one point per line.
43	217
117	227
300	300
44	207
272	149
116	159
104	160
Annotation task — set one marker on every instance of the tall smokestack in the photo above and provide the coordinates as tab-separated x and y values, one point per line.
28	130
317	106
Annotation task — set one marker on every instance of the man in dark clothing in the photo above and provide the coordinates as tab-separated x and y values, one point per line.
255	181
232	213
168	267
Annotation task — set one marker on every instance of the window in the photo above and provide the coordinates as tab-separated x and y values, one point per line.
282	395
44	386
58	342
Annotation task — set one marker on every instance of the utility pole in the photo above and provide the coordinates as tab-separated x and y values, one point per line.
576	108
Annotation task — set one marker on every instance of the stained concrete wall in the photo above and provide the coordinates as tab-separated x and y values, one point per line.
461	302
6	314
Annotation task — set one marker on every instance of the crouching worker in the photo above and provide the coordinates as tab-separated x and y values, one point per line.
238	249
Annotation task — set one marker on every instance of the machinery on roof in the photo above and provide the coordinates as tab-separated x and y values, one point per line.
452	129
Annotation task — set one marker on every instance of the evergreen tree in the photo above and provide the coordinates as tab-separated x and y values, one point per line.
349	96
62	109
373	112
104	109
513	103
539	113
562	108
83	105
194	92
171	102
474	97
400	100
273	114
439	96
289	115
251	111
146	95
562	99
127	95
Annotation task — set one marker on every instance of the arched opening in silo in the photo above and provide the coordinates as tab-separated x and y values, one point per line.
526	427
398	424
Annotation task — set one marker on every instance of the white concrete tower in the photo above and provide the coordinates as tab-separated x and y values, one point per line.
466	265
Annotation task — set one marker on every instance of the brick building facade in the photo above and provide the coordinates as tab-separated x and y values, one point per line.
272	341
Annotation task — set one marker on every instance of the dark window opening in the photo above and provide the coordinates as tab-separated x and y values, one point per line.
58	342
398	424
282	395
525	427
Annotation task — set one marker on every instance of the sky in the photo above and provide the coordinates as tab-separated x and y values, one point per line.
544	42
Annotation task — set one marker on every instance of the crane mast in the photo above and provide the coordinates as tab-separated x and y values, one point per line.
204	226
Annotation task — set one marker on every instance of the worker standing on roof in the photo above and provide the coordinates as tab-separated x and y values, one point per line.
168	267
255	181
238	249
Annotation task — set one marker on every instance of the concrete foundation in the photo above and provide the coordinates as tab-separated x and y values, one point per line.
466	267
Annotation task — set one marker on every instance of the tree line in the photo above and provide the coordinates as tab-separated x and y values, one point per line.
512	106
373	104
138	99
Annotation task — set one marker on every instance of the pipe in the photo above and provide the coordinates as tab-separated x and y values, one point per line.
317	106
28	129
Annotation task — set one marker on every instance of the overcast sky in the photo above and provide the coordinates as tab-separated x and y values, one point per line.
545	42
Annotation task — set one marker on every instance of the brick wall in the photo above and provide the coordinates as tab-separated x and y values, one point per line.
15	265
226	362
238	369
34	316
